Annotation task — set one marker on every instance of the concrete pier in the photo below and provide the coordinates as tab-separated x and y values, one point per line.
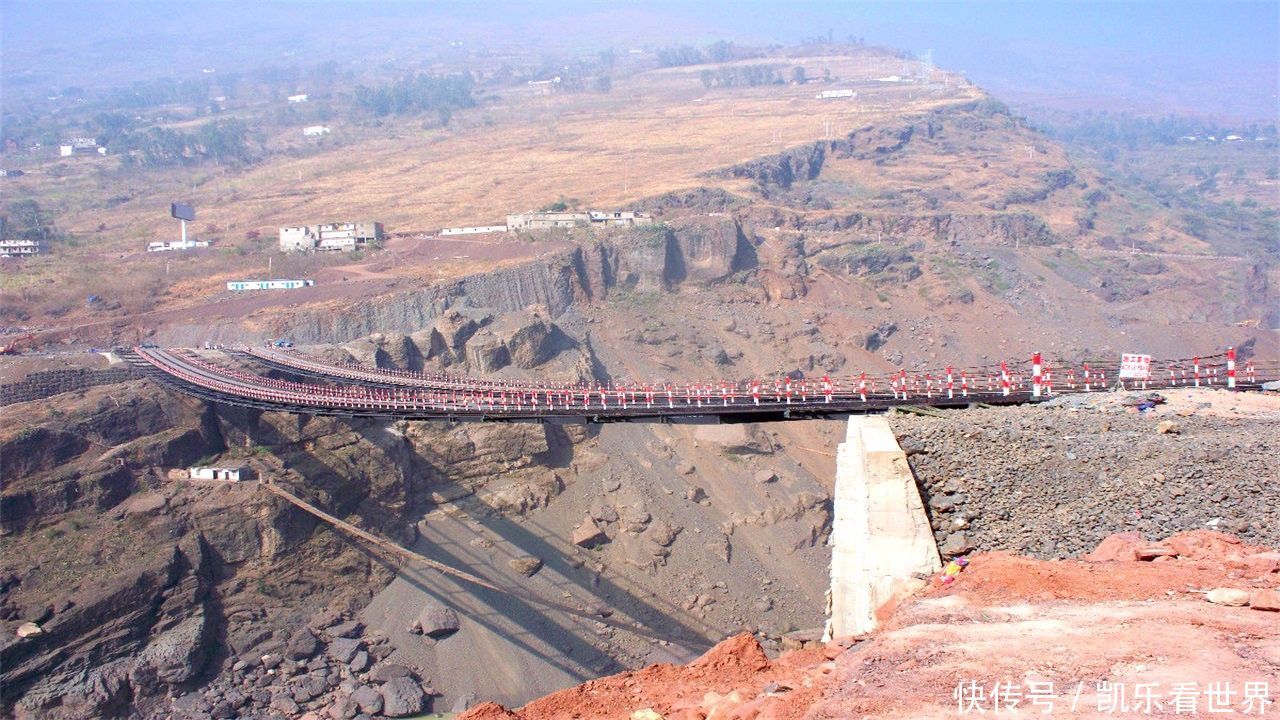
880	534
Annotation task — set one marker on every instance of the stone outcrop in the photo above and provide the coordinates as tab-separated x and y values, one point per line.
142	631
47	383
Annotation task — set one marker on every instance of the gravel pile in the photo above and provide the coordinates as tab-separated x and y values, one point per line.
1052	482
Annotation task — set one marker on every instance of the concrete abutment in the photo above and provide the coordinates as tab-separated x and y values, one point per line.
881	538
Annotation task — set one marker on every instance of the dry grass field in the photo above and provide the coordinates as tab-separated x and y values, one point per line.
655	132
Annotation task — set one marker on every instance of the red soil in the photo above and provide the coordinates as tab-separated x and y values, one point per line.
1111	617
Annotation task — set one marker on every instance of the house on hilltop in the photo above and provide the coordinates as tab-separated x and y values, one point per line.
330	237
543	220
81	146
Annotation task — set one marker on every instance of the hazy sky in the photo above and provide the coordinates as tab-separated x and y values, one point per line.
1210	57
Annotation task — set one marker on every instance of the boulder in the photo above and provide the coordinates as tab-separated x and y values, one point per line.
1228	596
309	688
284	704
588	534
368	699
662	533
343	709
634	518
389	671
1151	552
360	662
522	496
604	512
526	565
766	476
402	697
1168	427
29	630
344	650
348	629
302	646
957	543
437	621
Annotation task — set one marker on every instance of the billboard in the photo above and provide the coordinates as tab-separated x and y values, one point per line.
182	211
1137	367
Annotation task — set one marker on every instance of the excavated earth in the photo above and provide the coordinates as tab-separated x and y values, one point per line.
1052	481
1061	638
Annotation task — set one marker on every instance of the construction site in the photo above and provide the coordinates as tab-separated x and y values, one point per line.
815	382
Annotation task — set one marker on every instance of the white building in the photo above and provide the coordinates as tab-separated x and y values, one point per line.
624	217
542	220
334	237
13	247
233	474
176	245
475	230
832	94
315	131
300	98
298	238
81	146
243	285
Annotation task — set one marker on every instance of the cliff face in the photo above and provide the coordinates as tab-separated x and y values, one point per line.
996	229
148	588
643	259
144	586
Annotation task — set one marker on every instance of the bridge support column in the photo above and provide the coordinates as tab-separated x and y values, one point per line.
880	534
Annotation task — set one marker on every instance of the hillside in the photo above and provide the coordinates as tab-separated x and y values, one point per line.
917	225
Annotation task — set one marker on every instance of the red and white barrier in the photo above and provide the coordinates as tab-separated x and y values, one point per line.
1035	374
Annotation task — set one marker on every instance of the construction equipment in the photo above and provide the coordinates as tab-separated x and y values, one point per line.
13	347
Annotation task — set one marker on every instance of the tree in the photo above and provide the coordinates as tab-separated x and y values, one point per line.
679	55
720	51
603	83
797	75
418	94
28	221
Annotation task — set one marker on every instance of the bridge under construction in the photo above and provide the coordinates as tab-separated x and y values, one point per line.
288	381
